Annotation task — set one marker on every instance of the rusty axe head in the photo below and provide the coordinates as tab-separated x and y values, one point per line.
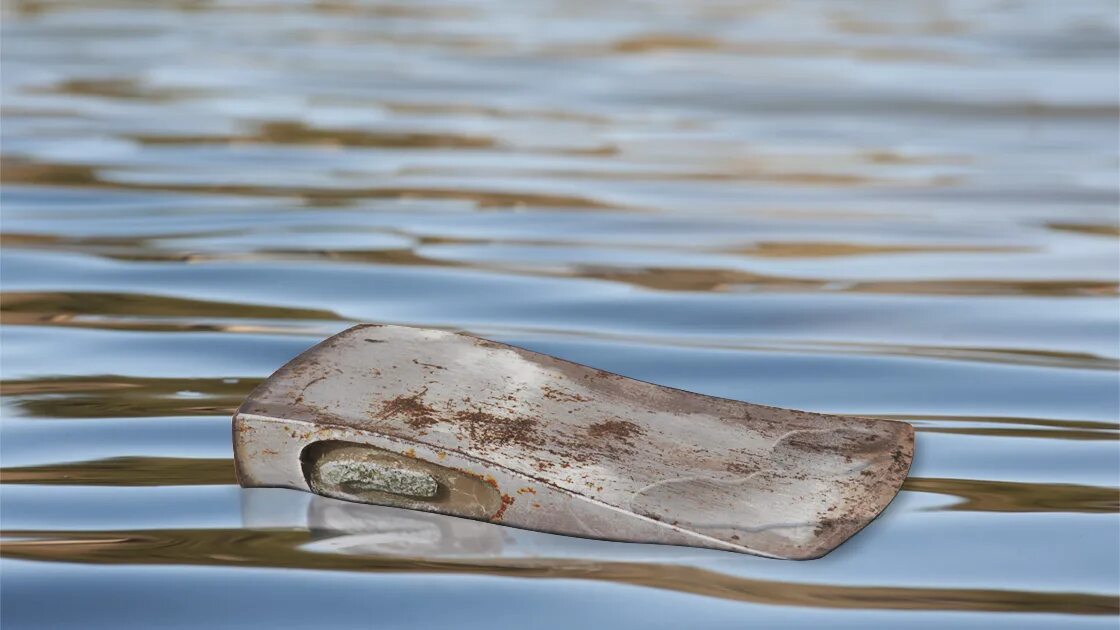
450	423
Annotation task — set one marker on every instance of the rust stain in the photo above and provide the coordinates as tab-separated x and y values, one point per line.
486	429
525	490
614	435
483	478
552	393
741	468
829	526
417	414
621	429
506	502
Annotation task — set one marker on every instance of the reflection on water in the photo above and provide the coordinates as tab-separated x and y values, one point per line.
285	549
14	171
974	495
282	549
129	397
1005	496
331	534
127	471
659	278
899	210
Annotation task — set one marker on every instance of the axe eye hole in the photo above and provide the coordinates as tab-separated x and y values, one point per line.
367	474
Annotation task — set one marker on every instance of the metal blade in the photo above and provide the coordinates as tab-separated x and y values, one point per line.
449	423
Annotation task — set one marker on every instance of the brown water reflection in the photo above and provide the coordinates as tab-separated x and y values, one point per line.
691	279
17	171
1095	229
27	307
127	471
1069	434
112	396
167	323
1008	496
975	495
282	549
297	133
118	88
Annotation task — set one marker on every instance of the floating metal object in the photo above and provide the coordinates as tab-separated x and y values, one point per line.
449	423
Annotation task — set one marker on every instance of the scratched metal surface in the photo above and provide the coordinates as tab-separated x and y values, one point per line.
571	449
903	210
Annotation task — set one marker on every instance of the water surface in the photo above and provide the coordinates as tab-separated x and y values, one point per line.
901	210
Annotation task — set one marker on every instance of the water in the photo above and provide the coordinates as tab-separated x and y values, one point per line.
905	210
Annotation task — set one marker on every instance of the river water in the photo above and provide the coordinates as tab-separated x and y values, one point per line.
903	210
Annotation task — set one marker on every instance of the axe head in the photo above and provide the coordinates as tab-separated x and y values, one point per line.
449	423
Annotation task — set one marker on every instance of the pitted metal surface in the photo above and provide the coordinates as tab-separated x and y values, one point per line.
574	450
